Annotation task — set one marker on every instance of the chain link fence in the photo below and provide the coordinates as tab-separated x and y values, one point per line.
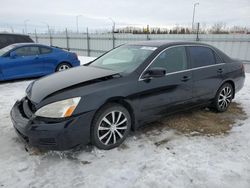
235	45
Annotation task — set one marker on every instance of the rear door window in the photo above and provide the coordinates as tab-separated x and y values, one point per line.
201	56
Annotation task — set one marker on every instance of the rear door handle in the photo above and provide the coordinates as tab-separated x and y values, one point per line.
220	70
185	78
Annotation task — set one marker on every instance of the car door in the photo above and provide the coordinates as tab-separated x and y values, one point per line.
175	88
24	63
48	59
207	73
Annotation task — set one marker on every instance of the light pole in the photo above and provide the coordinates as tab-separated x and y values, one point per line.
113	31
25	25
77	26
194	15
113	27
47	26
11	28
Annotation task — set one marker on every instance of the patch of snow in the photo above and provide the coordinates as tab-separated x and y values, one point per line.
183	161
84	59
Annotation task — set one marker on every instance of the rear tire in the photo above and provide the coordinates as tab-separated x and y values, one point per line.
111	126
62	67
223	97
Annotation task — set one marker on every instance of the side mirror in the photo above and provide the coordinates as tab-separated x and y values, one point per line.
156	72
13	55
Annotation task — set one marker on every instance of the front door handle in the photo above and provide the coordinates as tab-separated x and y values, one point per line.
185	78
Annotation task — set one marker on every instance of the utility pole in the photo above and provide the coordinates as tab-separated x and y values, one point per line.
25	25
87	38
148	32
67	39
77	26
113	26
195	4
197	32
47	26
113	32
36	36
11	28
49	33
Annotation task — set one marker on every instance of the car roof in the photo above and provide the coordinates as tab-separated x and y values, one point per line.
165	43
28	44
14	34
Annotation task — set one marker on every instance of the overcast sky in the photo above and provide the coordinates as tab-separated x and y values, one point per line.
95	13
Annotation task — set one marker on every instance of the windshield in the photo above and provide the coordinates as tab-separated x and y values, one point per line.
125	58
6	49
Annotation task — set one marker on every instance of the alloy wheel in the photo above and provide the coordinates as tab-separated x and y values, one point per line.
112	127
225	97
63	67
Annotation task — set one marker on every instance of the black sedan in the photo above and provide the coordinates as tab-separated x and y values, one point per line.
101	102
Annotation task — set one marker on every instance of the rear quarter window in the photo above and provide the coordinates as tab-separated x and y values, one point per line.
44	50
201	56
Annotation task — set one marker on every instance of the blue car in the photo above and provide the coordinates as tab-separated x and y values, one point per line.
25	60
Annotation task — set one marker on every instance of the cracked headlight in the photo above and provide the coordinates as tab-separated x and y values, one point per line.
60	109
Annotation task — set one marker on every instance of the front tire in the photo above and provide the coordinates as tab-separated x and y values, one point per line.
223	97
111	126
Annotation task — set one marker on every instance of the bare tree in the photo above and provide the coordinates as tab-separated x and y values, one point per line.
238	29
219	28
203	28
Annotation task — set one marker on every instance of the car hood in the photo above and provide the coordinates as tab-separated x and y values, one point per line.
47	86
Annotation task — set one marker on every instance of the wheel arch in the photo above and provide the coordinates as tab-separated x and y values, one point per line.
230	82
61	62
125	103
